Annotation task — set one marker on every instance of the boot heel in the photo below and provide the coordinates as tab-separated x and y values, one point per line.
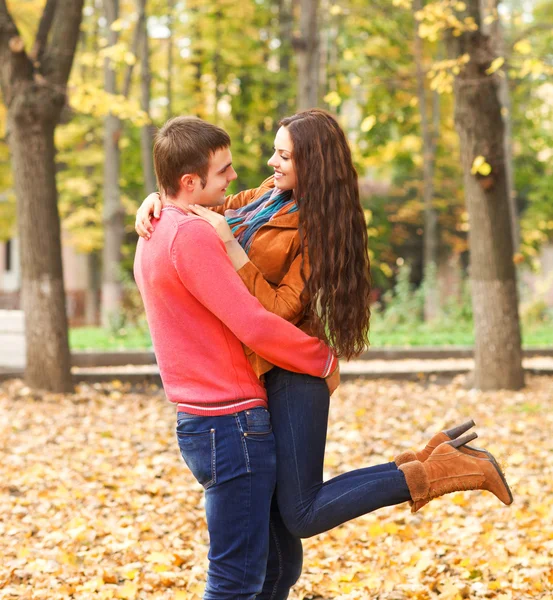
457	443
455	432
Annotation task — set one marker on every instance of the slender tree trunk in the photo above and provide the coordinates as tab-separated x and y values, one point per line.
169	83
307	55
146	137
197	62
498	355
217	63
430	240
324	47
285	25
34	91
92	302
495	30
113	213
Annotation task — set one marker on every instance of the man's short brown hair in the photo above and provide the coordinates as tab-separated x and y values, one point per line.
185	145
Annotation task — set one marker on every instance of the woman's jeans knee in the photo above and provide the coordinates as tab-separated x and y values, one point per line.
299	406
233	458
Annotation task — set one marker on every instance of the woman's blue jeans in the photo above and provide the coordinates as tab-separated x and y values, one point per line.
299	406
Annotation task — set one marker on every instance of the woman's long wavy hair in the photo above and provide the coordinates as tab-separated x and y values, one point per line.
333	229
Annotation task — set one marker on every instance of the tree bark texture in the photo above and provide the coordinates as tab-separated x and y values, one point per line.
498	39
307	55
285	27
35	92
113	212
169	83
478	120
430	239
146	135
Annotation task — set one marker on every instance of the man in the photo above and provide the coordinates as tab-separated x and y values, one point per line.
200	313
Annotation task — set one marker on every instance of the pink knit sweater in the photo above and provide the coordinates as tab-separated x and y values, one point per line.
199	311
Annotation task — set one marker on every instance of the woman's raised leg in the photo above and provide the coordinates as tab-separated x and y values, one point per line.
299	412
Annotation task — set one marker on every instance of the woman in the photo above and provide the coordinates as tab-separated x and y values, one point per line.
299	243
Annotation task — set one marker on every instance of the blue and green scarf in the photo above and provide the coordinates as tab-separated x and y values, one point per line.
245	221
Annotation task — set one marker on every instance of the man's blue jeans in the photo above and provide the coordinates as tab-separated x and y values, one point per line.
233	458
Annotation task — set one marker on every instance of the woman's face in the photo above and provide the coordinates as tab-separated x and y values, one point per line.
282	162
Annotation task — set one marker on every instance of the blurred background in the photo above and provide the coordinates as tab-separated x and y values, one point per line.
382	67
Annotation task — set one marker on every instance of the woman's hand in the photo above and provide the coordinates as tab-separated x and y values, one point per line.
333	380
150	206
218	221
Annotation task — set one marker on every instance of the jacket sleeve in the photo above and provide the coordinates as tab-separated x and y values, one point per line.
235	201
201	261
286	299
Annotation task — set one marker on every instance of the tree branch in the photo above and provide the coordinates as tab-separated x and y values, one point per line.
134	49
43	30
64	34
15	65
530	30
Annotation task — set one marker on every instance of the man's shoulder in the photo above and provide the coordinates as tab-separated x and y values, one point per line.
173	220
191	229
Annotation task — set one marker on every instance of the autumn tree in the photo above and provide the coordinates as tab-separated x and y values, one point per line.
307	54
114	214
479	123
146	134
33	84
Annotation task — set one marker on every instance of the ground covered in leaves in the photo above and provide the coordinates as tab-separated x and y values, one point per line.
95	500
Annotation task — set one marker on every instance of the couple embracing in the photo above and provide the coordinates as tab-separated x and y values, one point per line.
250	298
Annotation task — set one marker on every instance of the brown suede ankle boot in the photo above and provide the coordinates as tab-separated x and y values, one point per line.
444	436
449	470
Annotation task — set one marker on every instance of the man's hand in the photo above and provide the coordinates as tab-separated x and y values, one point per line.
150	206
218	221
333	380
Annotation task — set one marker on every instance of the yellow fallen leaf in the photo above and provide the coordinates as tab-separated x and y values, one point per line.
161	568
160	557
23	552
376	529
128	591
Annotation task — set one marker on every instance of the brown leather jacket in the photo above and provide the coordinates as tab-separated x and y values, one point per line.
273	274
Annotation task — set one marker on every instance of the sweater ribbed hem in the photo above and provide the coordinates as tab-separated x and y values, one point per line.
215	409
331	364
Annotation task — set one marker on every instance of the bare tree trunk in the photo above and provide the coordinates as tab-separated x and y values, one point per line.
324	46
430	252
495	30
498	355
170	26
197	62
146	137
92	301
285	23
34	91
307	55
113	213
217	63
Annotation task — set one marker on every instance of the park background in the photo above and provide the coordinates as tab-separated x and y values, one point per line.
448	107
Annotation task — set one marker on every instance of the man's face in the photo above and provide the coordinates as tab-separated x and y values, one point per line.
219	176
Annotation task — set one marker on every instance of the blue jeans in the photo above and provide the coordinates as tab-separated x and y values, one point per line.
233	458
299	406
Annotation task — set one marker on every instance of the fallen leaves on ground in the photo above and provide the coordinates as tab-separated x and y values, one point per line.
96	502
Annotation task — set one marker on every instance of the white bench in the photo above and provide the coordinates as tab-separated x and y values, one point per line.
12	339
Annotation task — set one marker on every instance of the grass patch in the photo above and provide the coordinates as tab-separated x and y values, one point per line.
96	338
446	334
382	335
